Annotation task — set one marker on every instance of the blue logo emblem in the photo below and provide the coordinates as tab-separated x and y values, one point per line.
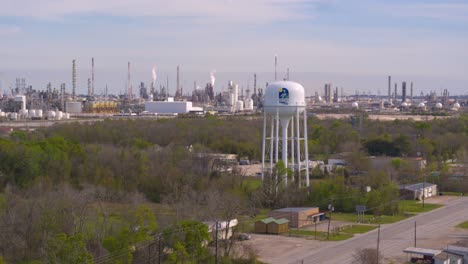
283	96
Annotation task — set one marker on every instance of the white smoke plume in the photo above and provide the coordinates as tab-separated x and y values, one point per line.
154	74
212	77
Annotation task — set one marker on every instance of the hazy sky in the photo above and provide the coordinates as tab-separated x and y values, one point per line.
353	43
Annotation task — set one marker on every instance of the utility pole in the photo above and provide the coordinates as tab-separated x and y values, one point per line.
216	244
378	244
159	249
331	209
414	233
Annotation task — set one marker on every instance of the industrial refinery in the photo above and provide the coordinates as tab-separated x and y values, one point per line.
23	102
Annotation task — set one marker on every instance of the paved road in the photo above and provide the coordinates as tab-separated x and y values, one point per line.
434	230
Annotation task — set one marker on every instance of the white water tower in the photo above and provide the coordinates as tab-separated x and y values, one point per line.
284	104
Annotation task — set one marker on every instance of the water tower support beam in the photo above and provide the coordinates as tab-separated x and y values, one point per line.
292	148
284	134
263	144
306	147
298	142
277	135
272	136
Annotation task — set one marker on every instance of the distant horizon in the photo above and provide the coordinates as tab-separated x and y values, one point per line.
116	80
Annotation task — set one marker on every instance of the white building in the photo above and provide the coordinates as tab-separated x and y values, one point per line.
419	190
177	107
224	228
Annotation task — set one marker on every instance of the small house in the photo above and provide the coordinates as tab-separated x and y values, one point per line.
418	191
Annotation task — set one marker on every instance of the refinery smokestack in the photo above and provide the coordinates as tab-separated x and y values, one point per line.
389	88
89	87
129	86
74	79
92	76
276	66
411	91
178	79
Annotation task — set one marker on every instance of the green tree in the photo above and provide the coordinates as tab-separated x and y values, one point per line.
68	250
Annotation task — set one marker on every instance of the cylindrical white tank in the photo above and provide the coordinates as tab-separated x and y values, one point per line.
2	114
14	116
248	104
438	105
32	113
51	115
66	115
39	113
23	113
58	115
240	106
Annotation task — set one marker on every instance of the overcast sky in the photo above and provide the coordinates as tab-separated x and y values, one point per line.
354	44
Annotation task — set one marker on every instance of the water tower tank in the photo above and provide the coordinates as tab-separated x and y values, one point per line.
283	103
287	97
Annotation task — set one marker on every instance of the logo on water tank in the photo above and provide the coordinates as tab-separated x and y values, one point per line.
283	96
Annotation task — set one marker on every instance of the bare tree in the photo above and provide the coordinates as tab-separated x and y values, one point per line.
366	256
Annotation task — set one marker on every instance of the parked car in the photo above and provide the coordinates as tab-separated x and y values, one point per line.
243	236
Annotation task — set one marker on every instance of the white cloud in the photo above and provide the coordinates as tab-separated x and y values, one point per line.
237	10
443	10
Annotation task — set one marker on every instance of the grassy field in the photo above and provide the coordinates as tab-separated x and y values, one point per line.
370	219
413	206
251	183
320	235
247	226
463	225
357	229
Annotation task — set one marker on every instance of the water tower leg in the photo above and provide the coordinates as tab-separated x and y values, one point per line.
292	149
284	134
306	147
277	135
263	144
298	142
272	136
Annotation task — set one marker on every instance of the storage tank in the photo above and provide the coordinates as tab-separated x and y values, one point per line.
51	115
73	107
14	116
456	105
39	113
66	115
58	115
355	105
438	105
248	104
421	105
2	114
22	99
240	106
32	113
